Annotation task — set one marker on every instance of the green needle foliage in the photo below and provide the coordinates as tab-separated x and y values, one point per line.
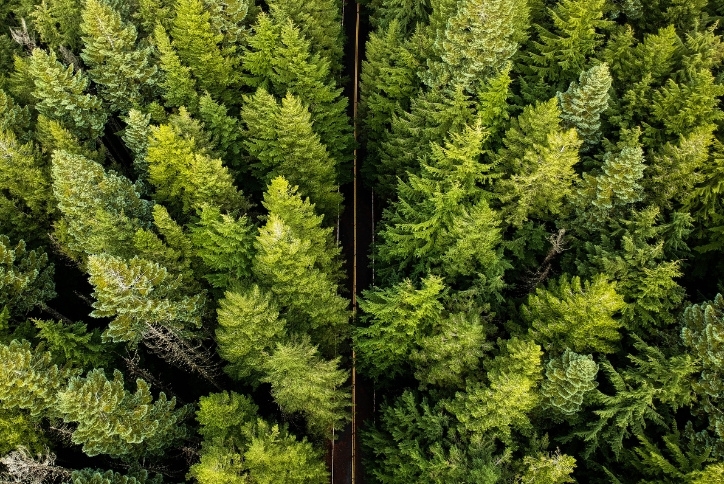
26	278
568	380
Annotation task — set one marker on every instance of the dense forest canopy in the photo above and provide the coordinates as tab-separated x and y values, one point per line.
546	304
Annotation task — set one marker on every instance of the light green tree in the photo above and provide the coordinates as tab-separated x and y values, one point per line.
114	421
119	69
555	468
568	379
249	329
574	314
60	93
179	88
282	140
302	381
584	102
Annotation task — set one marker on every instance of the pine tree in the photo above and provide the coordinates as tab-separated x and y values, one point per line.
249	328
186	178
279	59
478	42
26	278
584	102
60	94
301	381
307	296
101	211
283	141
320	22
178	86
540	156
119	70
563	53
139	294
114	421
397	316
30	381
702	334
225	245
571	314
568	379
197	44
25	202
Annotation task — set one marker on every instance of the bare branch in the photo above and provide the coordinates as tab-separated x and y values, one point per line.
22	36
22	467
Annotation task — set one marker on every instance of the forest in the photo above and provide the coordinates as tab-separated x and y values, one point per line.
546	292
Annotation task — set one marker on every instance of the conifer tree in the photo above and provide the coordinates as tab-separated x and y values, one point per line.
178	86
388	81
135	136
249	328
72	344
139	294
548	469
320	22
197	44
224	244
114	421
563	53
584	102
26	278
60	94
571	314
224	129
279	59
301	381
118	68
285	265
101	211
30	381
282	200
185	177
478	42
490	412
57	22
540	157
568	379
283	141
25	202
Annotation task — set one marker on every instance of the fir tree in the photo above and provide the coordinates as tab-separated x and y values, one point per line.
283	141
224	129
177	84
26	278
197	44
60	94
540	156
249	328
571	314
114	421
584	102
185	177
135	136
224	244
568	379
116	66
548	469
139	294
279	59
303	382
57	22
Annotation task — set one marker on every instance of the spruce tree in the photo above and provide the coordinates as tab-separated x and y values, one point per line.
60	93
119	69
249	328
283	141
584	102
302	381
224	129
179	88
114	421
26	278
279	59
571	314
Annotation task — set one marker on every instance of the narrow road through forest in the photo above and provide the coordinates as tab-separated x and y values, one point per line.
355	234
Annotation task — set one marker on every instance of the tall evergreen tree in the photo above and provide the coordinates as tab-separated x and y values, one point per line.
118	68
584	102
568	380
26	278
178	86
